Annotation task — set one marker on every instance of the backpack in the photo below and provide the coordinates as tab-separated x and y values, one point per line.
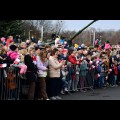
115	70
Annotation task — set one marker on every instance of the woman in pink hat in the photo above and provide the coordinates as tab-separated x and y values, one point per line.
3	40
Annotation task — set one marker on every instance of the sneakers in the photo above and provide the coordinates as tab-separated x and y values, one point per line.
76	90
40	99
82	91
73	90
62	92
47	99
53	98
58	98
111	85
66	90
43	99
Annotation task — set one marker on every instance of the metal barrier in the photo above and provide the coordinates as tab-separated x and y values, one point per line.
73	79
9	83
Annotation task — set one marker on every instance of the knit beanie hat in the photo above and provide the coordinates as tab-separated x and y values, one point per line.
3	39
13	47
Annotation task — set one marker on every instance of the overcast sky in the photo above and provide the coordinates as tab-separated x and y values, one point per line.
100	24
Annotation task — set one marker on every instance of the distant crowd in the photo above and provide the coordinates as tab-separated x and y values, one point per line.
57	69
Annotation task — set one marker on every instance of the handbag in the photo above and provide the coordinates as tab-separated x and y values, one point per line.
42	75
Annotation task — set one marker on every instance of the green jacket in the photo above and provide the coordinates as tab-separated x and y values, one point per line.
83	69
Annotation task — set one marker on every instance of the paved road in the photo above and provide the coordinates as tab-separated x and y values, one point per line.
98	94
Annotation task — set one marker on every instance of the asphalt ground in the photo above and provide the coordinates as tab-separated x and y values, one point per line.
109	93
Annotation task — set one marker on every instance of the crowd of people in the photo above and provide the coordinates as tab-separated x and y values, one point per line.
57	69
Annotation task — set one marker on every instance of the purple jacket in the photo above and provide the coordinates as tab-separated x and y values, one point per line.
40	65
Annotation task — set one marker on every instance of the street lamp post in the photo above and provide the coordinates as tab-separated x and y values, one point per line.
93	37
42	33
60	27
29	34
24	32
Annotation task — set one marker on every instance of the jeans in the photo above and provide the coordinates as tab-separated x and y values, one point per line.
95	84
111	79
76	81
115	79
101	81
64	84
82	81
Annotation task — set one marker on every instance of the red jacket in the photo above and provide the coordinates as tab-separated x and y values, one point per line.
72	59
8	42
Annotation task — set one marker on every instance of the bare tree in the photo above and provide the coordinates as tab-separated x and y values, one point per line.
58	26
35	26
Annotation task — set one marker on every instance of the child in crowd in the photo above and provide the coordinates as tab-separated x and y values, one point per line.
83	73
101	69
15	56
77	77
115	68
118	77
3	40
64	73
69	75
